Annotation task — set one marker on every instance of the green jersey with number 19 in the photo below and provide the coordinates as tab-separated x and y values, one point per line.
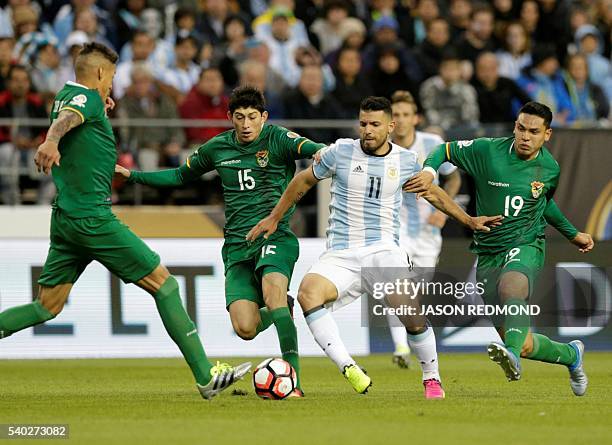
505	185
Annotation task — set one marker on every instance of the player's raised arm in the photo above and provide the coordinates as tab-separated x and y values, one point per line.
296	189
441	201
48	152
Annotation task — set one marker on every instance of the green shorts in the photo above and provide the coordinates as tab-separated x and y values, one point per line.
75	242
246	263
527	259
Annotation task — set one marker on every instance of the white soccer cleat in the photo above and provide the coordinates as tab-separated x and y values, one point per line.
223	376
578	378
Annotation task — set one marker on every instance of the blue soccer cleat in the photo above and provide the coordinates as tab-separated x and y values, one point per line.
578	378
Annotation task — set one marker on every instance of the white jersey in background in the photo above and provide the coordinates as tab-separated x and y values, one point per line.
420	239
366	193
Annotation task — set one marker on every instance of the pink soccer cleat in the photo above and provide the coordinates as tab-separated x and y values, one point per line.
433	389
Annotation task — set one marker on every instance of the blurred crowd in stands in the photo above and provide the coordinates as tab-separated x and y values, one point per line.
466	62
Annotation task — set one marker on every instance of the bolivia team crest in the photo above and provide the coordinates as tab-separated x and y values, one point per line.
262	158
536	189
79	100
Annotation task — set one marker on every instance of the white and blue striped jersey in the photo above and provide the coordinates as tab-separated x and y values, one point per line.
415	213
366	193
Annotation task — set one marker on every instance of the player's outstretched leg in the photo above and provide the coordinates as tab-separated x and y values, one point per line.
274	287
423	345
401	354
49	303
316	290
210	379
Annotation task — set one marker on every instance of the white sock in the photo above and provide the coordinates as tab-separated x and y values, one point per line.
398	331
325	331
424	347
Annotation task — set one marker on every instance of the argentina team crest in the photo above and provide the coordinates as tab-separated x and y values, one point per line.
392	172
262	158
536	189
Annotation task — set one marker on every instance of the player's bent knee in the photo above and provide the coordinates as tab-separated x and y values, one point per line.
513	285
309	297
245	331
315	290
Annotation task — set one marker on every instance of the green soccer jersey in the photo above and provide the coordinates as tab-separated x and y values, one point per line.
254	175
88	154
505	185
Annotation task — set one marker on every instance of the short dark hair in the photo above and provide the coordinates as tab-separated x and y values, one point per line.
101	49
376	103
247	97
538	109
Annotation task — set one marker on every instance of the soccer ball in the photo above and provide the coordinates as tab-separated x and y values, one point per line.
274	378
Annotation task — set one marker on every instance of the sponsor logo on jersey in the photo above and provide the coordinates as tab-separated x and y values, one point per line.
536	189
292	135
358	169
262	158
498	184
464	144
233	161
79	101
392	172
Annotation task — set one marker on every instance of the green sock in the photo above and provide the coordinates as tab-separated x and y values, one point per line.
546	350
266	319
287	336
21	317
182	330
516	327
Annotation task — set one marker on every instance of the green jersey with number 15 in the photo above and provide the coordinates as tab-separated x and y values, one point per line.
505	185
254	175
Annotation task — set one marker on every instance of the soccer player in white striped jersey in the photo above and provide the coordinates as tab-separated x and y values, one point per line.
367	178
421	223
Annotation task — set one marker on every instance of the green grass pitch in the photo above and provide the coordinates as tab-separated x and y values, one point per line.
154	401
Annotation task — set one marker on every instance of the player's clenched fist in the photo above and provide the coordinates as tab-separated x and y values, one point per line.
584	241
267	226
47	155
419	183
